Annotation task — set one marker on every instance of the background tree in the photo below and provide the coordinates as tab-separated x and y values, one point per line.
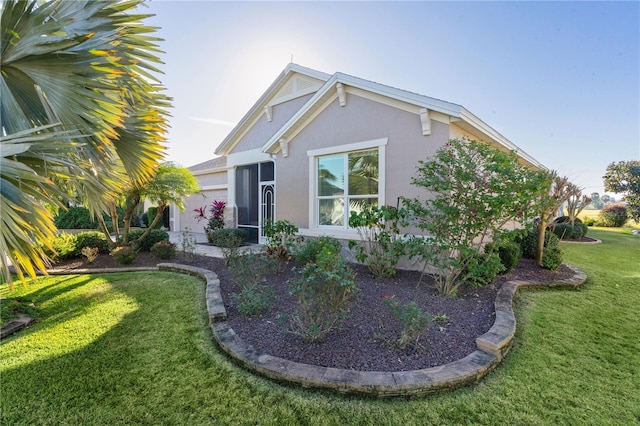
596	203
576	202
549	202
624	178
169	185
477	190
80	109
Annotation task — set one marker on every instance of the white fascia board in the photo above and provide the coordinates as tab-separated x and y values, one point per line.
258	108
247	157
477	123
210	171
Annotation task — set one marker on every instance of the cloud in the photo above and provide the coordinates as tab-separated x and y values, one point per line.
214	121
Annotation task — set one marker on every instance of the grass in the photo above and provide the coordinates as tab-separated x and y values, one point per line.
136	349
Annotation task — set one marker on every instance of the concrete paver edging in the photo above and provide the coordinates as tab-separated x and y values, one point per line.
492	347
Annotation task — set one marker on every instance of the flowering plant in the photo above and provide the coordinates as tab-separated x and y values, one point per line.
216	221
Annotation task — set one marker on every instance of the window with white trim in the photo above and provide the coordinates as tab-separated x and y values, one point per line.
346	182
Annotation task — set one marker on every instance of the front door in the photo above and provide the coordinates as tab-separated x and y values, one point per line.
255	198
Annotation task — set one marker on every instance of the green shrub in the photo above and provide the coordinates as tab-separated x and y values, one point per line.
324	293
414	321
509	253
308	250
482	269
580	230
564	231
589	221
74	218
154	236
226	237
92	239
64	247
252	301
527	240
124	255
381	245
551	257
249	271
613	215
163	250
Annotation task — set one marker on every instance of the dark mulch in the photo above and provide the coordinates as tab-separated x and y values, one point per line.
364	341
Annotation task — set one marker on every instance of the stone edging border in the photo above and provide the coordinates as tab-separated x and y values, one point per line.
492	348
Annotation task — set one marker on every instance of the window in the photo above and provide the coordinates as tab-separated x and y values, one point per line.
346	182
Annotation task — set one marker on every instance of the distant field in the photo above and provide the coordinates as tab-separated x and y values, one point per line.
594	215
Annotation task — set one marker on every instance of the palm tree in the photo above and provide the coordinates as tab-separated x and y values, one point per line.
81	109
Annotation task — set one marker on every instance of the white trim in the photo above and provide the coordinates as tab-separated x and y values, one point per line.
425	121
312	155
268	111
342	97
296	95
210	171
247	157
357	146
214	187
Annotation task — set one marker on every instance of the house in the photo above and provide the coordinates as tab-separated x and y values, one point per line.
315	146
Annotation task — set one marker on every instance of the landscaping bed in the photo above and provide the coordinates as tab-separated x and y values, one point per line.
365	340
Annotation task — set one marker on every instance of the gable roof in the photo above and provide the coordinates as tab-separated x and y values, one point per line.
258	108
457	113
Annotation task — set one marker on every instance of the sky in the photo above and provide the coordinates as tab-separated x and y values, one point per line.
561	80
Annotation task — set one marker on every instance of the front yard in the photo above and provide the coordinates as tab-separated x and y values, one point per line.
136	349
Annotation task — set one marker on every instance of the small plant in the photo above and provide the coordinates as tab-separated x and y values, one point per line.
163	250
324	293
188	245
508	251
64	247
551	257
414	321
441	318
252	301
381	245
216	220
226	237
281	235
92	239
481	269
249	271
91	253
307	250
124	255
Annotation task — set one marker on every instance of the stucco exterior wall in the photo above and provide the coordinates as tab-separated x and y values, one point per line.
209	179
204	199
263	129
360	120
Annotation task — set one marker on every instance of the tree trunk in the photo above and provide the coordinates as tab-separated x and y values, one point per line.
137	243
542	228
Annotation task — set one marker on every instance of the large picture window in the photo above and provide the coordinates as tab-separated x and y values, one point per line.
346	182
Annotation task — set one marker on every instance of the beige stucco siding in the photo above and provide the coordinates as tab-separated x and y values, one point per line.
360	120
263	129
209	179
187	218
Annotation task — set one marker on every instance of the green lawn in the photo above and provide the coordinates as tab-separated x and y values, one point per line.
135	349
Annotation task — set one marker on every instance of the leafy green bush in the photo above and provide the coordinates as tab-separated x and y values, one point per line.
64	247
564	231
527	240
226	237
551	257
589	221
481	269
414	321
613	215
124	255
163	250
249	271
92	239
508	251
154	236
381	245
580	230
324	293
308	250
74	218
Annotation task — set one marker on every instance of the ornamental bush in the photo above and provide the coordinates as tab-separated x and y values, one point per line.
124	255
613	215
307	250
64	247
324	293
74	218
414	321
163	250
154	236
381	245
482	269
91	239
473	191
226	237
508	251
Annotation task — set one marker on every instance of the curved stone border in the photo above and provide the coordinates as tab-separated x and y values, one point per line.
595	241
492	346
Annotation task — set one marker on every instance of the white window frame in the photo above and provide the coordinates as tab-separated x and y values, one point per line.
313	155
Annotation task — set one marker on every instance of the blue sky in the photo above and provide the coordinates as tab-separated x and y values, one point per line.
559	79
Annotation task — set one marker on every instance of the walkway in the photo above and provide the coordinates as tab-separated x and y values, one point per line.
202	247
